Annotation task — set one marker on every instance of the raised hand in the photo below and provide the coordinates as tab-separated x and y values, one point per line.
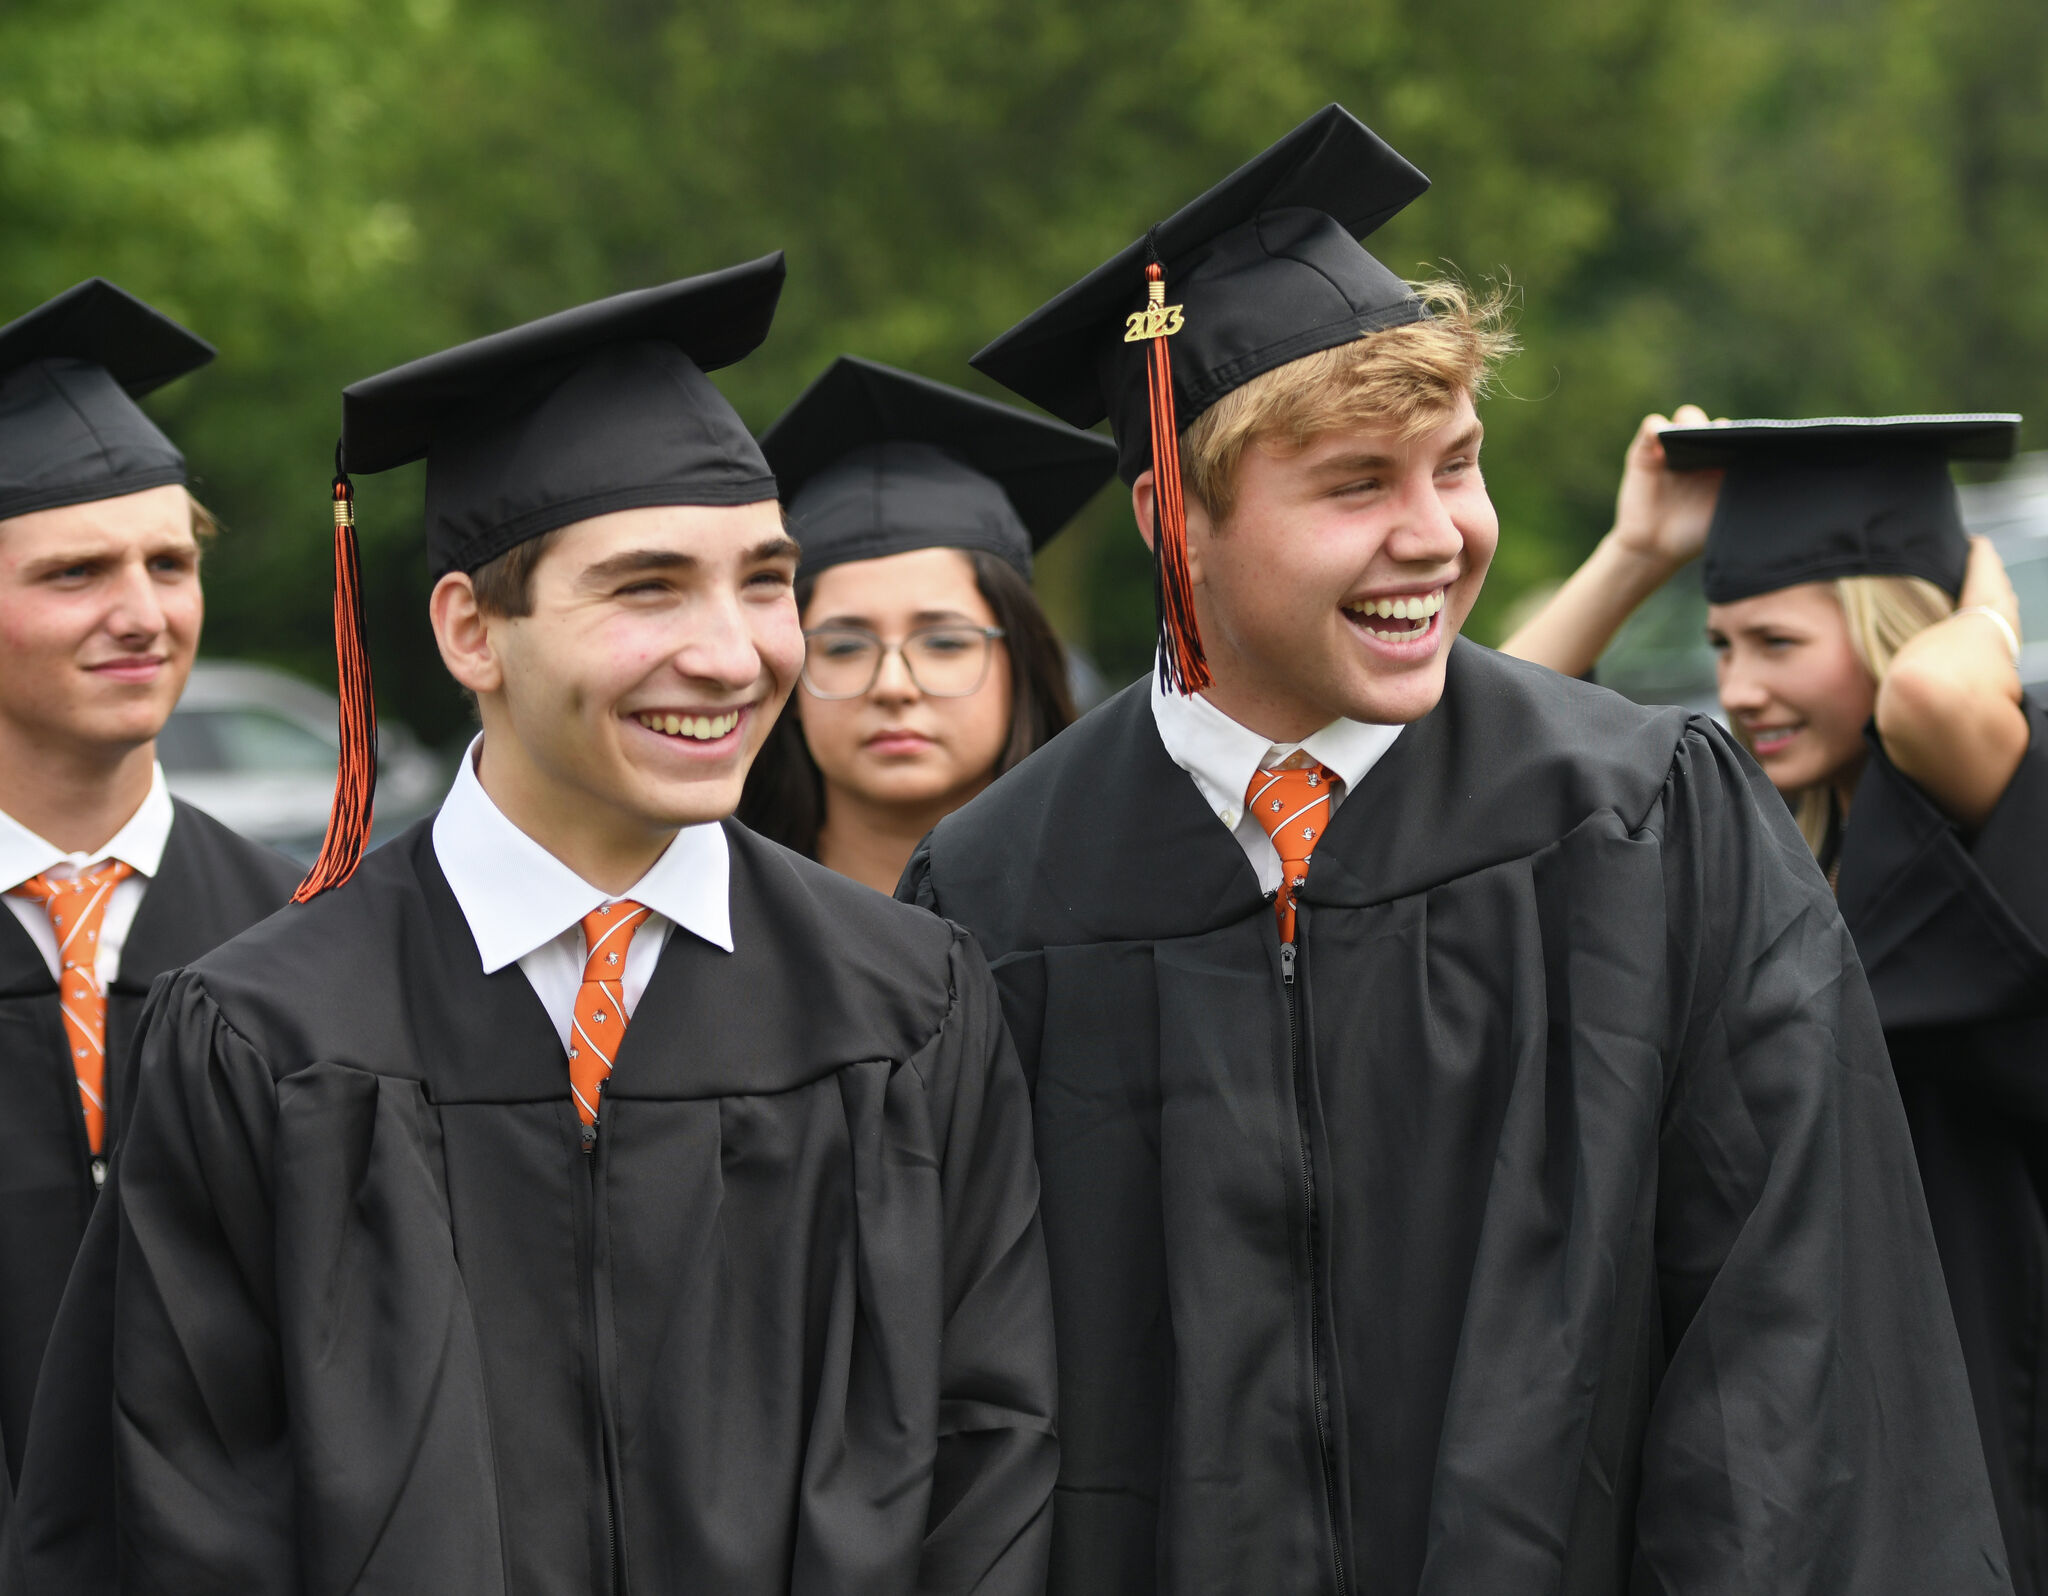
1660	522
1661	515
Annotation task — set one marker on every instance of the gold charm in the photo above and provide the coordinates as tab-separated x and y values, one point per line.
1157	320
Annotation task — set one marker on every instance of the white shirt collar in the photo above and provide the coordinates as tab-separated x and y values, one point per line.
517	896
1223	756
139	844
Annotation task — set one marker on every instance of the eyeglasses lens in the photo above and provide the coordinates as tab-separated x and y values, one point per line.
944	661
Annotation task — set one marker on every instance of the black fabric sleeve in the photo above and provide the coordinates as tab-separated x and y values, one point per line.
991	1515
2011	847
916	886
1813	1428
60	1537
203	1463
1952	929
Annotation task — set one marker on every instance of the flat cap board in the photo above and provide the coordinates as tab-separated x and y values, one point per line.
1266	267
70	371
873	461
600	408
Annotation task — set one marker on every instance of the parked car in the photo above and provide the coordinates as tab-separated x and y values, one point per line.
257	748
2013	513
1661	656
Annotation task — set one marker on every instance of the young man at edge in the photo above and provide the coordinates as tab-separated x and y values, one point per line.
108	880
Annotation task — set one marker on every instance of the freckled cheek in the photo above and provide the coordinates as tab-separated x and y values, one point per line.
587	672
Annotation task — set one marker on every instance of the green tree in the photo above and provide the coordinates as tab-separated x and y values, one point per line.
1767	208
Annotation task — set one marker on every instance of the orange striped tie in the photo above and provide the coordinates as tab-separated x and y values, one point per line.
1294	807
599	1023
76	906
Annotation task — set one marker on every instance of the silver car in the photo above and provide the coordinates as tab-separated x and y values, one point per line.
257	748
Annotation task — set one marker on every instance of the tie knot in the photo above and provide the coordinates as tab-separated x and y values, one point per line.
1292	806
76	906
607	933
60	891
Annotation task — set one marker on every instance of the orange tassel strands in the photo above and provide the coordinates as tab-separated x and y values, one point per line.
1182	666
355	782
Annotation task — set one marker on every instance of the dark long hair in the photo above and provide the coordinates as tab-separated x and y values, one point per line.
784	798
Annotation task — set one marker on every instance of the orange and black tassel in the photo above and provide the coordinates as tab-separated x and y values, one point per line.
1183	668
355	780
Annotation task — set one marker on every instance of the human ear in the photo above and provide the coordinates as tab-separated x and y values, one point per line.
1142	503
463	634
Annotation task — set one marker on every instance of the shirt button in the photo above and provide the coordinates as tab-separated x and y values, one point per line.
1230	818
99	1173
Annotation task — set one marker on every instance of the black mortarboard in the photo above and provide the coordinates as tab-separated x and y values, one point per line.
873	461
70	373
601	408
1809	501
1261	270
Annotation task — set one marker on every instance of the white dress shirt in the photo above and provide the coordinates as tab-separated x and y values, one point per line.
525	906
1222	757
139	845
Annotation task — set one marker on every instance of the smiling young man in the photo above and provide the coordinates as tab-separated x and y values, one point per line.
1470	1162
585	1194
107	880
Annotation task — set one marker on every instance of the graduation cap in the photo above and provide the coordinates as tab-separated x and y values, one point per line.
70	373
873	461
600	408
1810	501
1261	270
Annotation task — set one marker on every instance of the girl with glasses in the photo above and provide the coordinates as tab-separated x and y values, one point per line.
929	668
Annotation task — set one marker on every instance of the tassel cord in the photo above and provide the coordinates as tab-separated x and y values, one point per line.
355	783
1183	666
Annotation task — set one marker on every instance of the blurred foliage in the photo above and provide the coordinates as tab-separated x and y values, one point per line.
1769	206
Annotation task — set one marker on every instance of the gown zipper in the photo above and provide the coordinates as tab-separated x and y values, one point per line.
1324	1447
607	1463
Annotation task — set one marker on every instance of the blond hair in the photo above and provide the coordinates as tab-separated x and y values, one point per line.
1884	613
1405	380
205	524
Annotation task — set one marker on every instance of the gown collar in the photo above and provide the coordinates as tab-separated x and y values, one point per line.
516	896
139	844
1222	756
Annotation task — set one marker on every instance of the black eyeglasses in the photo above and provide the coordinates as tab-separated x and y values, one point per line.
949	661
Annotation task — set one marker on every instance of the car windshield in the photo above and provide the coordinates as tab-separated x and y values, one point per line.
241	741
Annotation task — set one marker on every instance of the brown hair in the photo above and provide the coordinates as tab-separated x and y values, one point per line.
1405	378
504	586
205	524
784	797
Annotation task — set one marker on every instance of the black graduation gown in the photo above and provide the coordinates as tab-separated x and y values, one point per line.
211	885
1953	931
1555	1230
381	1324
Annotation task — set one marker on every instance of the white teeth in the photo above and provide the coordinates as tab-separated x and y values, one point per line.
700	728
1419	608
